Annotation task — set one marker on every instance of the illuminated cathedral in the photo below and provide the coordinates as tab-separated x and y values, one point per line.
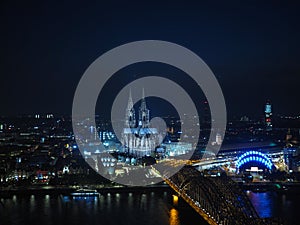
138	137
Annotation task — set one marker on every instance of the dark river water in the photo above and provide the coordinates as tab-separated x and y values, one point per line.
272	204
149	208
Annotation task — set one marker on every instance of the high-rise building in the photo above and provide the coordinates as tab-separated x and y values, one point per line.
206	113
268	116
219	139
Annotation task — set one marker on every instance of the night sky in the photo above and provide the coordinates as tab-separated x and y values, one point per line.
253	49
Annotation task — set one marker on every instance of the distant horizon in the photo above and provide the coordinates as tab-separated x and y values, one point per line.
57	115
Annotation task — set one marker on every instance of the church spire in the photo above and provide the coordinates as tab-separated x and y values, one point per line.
143	94
143	102
143	112
130	102
130	113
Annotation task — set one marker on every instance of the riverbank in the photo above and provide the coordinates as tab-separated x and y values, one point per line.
66	190
279	187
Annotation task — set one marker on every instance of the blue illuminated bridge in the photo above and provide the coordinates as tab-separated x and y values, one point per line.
219	200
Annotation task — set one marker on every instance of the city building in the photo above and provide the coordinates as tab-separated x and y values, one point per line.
138	137
176	148
218	140
268	116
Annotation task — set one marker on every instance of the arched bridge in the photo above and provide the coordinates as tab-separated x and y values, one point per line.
219	200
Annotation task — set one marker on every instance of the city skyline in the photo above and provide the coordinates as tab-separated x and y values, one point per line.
141	112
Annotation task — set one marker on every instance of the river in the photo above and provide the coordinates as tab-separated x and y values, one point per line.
149	208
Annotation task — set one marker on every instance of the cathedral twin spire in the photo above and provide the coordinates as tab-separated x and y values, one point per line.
130	120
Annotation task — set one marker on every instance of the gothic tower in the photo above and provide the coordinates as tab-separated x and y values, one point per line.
130	113
143	113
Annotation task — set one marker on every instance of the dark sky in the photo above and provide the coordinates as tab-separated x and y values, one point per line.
253	48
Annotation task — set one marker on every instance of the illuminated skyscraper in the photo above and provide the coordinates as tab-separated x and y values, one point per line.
206	113
268	116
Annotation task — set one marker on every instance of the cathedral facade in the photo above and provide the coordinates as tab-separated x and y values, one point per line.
139	138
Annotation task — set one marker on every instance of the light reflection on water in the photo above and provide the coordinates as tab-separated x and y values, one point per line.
278	205
263	203
128	208
115	208
32	203
174	217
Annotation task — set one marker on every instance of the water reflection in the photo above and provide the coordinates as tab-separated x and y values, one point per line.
47	201
47	206
130	200
143	202
117	199
14	198
174	217
32	203
108	201
117	208
129	208
263	203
